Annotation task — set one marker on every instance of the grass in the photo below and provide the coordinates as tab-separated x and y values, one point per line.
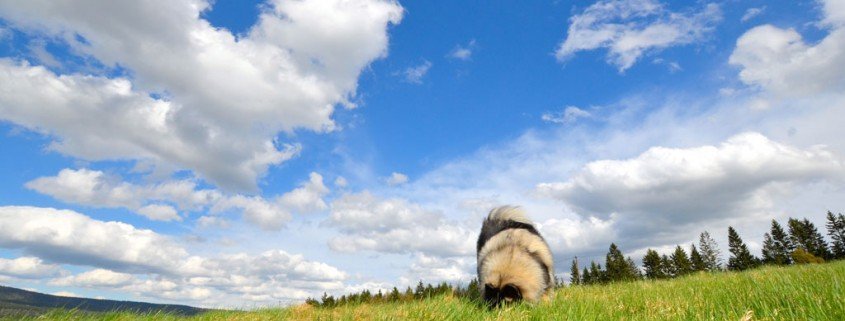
806	292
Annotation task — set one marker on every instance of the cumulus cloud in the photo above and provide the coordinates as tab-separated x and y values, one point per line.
780	62
292	67
751	13
630	29
416	73
397	179
462	52
681	185
153	265
94	278
69	237
569	115
96	188
394	226
29	267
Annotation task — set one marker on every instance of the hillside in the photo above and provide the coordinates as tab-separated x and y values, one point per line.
805	292
16	302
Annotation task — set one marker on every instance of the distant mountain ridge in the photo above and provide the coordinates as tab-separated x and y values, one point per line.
18	301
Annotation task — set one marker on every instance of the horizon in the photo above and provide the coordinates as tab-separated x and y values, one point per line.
245	153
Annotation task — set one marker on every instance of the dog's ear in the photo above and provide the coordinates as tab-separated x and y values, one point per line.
511	293
491	295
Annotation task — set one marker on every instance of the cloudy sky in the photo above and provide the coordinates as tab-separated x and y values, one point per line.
251	153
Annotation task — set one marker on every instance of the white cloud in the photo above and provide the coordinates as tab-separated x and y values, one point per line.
463	52
397	179
95	188
569	115
340	182
308	198
298	61
152	265
631	28
69	237
66	294
95	278
751	13
433	269
415	74
28	267
682	185
780	62
158	212
367	222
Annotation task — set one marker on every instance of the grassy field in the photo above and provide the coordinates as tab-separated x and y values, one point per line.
808	292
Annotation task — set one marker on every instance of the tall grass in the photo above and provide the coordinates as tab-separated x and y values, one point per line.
805	292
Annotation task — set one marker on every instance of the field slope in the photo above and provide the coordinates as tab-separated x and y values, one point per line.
808	292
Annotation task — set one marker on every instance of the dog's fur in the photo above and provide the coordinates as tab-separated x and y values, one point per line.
514	261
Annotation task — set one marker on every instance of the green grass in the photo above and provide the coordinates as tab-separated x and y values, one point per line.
807	292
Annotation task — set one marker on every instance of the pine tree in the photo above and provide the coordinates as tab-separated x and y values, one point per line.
596	274
777	248
586	278
836	230
666	268
709	252
633	270
617	267
741	258
696	259
576	275
651	265
805	235
681	264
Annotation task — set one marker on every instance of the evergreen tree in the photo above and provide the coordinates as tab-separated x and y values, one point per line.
681	264
597	275
836	230
696	259
651	265
741	258
586	278
709	252
805	235
666	268
616	266
576	275
633	270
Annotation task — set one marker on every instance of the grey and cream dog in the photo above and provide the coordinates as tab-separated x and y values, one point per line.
514	261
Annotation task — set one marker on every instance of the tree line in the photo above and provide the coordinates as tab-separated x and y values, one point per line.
799	243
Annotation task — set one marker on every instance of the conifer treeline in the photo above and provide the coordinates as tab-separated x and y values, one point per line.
801	243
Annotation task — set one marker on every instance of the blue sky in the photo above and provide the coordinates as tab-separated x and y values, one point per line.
246	153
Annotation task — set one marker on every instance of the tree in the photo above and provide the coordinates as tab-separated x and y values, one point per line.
633	270
575	278
709	252
651	265
666	266
800	256
805	235
777	247
741	258
586	278
696	259
596	274
836	230
616	266
681	264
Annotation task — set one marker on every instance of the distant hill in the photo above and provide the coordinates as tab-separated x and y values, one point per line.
15	301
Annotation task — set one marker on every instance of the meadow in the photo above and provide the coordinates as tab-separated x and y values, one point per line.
799	292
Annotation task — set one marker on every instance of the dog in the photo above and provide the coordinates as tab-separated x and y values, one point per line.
514	261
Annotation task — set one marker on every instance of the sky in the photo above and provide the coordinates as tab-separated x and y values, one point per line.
246	154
